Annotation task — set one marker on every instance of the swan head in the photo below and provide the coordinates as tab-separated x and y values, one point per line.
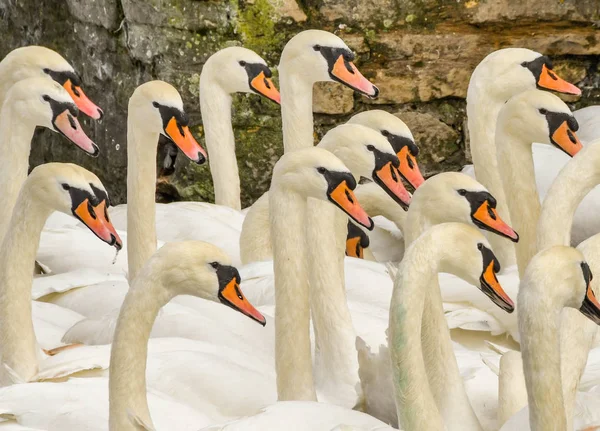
356	241
156	107
38	61
367	154
539	116
201	269
317	55
470	257
240	70
399	136
75	191
317	173
561	275
456	197
510	71
42	102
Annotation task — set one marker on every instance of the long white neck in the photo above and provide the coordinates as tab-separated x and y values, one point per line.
512	392
15	145
540	346
141	180
482	113
296	110
293	361
17	338
336	359
376	201
127	378
516	159
215	105
415	388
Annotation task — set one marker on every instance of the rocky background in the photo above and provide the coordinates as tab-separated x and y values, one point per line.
419	52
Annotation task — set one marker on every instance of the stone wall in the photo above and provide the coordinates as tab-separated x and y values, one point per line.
419	52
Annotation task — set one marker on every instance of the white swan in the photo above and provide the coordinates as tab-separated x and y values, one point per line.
30	103
38	61
556	278
53	186
433	397
194	268
531	116
230	70
499	76
589	121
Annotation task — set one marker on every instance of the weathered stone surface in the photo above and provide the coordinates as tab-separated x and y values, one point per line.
420	53
332	98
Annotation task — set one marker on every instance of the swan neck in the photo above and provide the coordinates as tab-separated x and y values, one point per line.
296	110
141	181
336	359
127	378
516	158
293	363
215	105
17	338
540	347
15	146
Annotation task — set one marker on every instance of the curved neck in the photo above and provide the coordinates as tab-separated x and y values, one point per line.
141	180
427	397
296	110
336	359
293	362
575	180
482	114
15	145
376	202
215	105
17	337
540	346
516	159
127	378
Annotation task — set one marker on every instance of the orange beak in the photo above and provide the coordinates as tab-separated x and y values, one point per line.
96	219
68	125
84	104
345	199
347	73
389	178
234	298
183	138
487	218
353	248
567	140
551	81
491	287
409	169
264	86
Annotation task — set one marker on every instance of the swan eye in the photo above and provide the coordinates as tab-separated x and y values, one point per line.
46	97
462	192
215	265
385	133
543	111
66	186
242	63
321	170
155	104
370	147
480	246
317	47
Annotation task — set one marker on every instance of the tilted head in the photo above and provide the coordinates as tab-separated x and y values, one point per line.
73	190
399	136
239	70
157	107
204	270
42	102
318	55
456	197
37	62
510	71
561	275
317	173
356	241
367	154
468	255
538	116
